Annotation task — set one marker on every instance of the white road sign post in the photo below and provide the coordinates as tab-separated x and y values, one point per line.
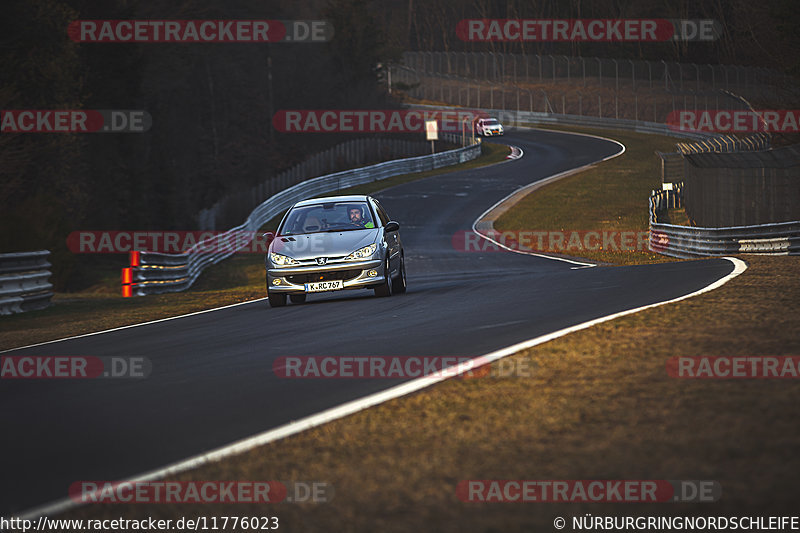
432	132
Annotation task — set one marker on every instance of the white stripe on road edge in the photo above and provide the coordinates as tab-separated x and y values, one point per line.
260	299
539	183
133	325
355	406
162	319
516	153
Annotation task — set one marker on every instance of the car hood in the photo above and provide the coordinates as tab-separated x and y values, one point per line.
313	245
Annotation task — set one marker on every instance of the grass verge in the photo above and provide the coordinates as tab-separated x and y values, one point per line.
610	196
237	279
598	406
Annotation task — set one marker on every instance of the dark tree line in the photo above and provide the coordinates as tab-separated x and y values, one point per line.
210	103
756	33
211	130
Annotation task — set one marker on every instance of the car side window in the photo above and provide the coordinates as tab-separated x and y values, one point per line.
382	214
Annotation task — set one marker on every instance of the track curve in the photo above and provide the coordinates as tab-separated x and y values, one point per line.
212	381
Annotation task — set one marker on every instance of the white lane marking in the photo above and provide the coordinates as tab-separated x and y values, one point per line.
168	318
133	325
516	153
539	183
360	404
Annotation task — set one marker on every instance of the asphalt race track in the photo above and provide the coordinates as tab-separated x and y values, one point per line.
212	381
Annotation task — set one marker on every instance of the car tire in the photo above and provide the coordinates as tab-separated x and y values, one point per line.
276	299
385	288
399	286
297	298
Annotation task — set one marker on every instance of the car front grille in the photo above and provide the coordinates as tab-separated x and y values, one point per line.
344	275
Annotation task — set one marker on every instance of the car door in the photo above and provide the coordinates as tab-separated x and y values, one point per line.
392	238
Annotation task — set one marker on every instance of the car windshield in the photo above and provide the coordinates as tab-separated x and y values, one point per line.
491	122
328	217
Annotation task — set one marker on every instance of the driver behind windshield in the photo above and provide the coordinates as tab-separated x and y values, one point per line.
357	218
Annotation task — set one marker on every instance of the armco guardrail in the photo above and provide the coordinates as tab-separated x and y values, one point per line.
513	118
23	282
155	273
688	242
677	241
349	154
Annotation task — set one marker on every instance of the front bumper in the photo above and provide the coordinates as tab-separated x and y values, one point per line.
354	275
492	133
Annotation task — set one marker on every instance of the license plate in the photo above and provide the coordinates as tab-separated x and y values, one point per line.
322	286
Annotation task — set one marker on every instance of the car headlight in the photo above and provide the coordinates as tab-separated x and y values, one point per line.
282	260
362	253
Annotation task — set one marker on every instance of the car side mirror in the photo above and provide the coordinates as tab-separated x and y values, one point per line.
391	226
268	237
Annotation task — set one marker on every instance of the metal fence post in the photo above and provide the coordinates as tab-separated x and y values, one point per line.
599	71
539	57
583	69
633	74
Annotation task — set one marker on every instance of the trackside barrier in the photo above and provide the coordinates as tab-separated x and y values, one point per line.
668	239
156	273
666	199
727	143
688	242
512	118
23	282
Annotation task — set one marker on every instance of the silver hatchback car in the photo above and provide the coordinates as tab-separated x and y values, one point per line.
331	244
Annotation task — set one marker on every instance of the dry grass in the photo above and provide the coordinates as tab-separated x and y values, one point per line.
611	196
599	406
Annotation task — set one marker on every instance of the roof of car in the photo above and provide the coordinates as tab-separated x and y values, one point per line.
346	198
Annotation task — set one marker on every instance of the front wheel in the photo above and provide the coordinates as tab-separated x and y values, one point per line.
297	298
276	299
400	284
385	288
